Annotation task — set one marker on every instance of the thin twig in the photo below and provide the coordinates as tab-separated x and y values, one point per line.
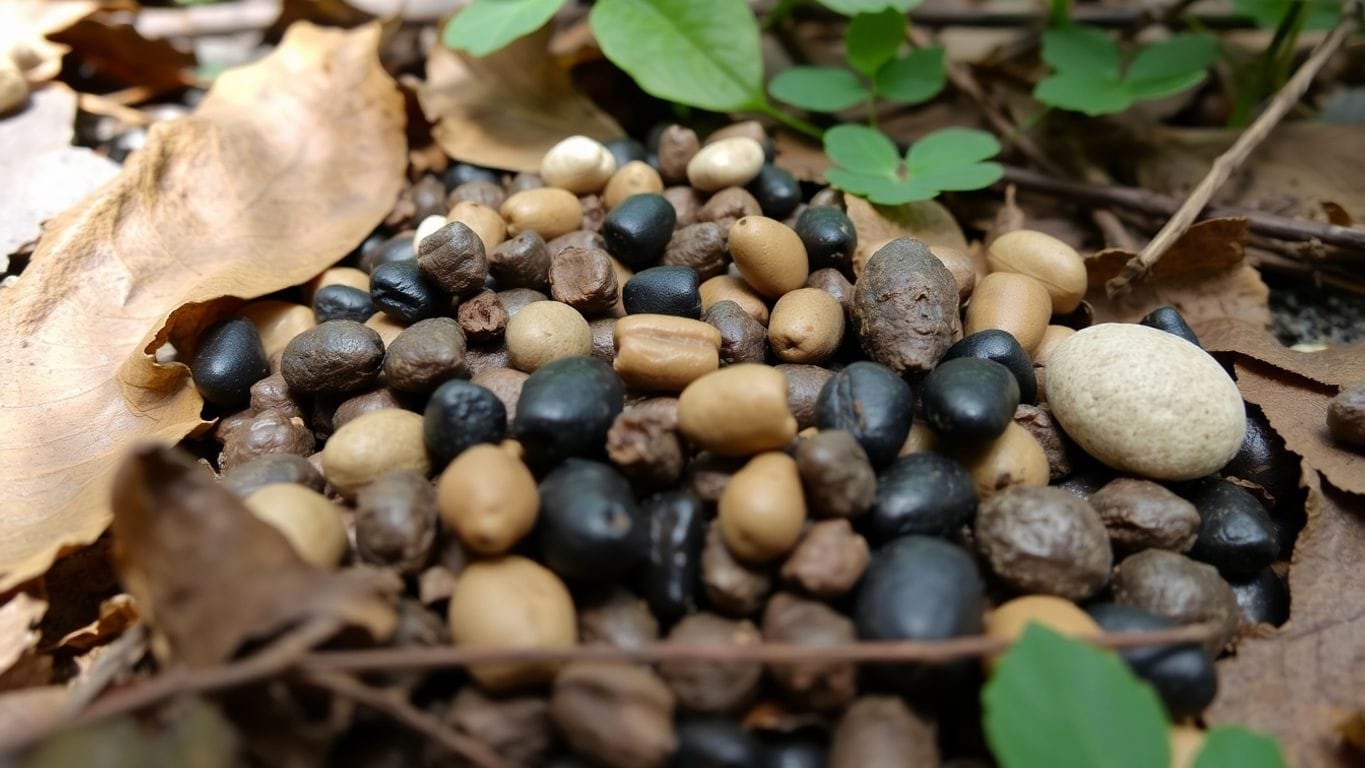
472	750
1157	204
1230	160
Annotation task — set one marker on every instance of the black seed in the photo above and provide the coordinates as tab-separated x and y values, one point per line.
638	229
677	532
663	291
460	415
342	302
872	403
1262	599
229	360
461	173
924	494
1236	535
1170	320
969	400
591	529
829	237
625	150
401	292
1183	675
1001	347
776	190
566	408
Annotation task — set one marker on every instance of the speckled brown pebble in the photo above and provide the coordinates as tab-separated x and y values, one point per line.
708	474
584	279
699	246
482	317
617	618
728	206
506	383
453	258
821	686
742	338
882	732
905	307
521	262
616	715
266	433
677	146
484	358
1174	586
837	477
1043	540
1143	515
395	521
713	686
643	443
336	356
804	383
1039	423
517	728
1346	415
734	588
828	561
426	354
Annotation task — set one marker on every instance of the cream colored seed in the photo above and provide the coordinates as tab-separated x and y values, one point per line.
730	288
308	521
731	162
371	445
544	331
633	178
1044	258
578	164
664	353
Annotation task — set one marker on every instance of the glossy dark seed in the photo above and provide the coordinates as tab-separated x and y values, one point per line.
1262	599
829	237
677	531
1236	535
460	415
663	291
1170	320
1264	460
625	149
1183	675
396	248
638	229
334	357
924	494
969	400
873	403
566	408
776	190
401	291
1001	347
714	742
229	360
460	173
591	529
342	302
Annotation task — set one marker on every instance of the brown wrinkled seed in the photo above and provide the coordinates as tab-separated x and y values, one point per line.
584	279
521	262
664	352
708	474
272	394
395	521
1039	423
617	715
425	355
686	201
354	407
1174	586
603	330
643	443
838	479
732	587
804	383
453	258
1141	514
266	433
700	246
517	728
677	146
729	205
742	338
478	191
821	686
833	282
506	383
828	561
713	686
336	356
581	238
905	307
1044	541
245	479
618	618
482	317
882	732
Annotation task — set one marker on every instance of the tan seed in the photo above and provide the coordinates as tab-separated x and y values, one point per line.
730	288
1011	302
544	331
486	223
737	411
663	352
762	509
488	498
807	326
769	255
372	445
1044	258
308	521
633	178
548	211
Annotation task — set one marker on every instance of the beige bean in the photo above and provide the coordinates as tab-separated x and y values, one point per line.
371	445
387	328
548	211
731	162
730	288
511	602
278	322
488	497
762	510
633	178
1013	458
1186	743
960	264
663	352
920	439
425	228
737	411
1009	620
349	276
1052	336
486	223
807	326
308	521
578	164
544	331
769	255
1044	258
1011	302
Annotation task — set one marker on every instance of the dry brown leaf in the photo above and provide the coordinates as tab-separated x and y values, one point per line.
37	144
1203	275
18	628
111	47
799	155
1303	679
209	575
925	220
1337	366
28	711
286	165
117	614
506	109
24	26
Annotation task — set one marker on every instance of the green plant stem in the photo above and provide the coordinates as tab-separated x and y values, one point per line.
1268	74
779	12
792	122
1061	13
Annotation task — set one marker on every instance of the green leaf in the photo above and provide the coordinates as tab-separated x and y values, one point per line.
1081	49
862	149
949	148
1233	747
855	7
484	26
1083	93
878	189
915	77
1061	703
872	39
1322	14
703	53
819	89
1180	55
1161	88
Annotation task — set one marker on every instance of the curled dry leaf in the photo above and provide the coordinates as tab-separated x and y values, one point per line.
109	46
1302	680
209	575
1335	366
117	614
18	628
506	109
37	144
24	27
925	220
286	165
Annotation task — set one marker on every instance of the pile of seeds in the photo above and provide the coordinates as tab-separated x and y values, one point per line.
652	394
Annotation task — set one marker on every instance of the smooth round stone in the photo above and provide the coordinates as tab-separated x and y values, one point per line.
1145	402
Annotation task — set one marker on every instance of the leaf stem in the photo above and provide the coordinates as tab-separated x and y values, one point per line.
778	12
791	121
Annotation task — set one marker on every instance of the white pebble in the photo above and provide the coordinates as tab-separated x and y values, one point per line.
731	162
578	164
428	226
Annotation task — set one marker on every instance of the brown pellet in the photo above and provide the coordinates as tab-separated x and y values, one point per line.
838	479
477	191
804	383
729	206
713	686
700	246
395	521
584	279
482	317
730	288
521	262
828	561
643	443
453	258
820	685
734	588
425	355
677	146
742	338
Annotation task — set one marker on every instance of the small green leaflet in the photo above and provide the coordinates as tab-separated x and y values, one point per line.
1233	747
1087	74
819	89
1322	14
855	7
703	53
1053	702
866	163
484	26
872	39
918	76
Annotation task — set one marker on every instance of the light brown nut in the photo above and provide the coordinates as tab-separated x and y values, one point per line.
426	228
477	191
737	411
920	439
1052	336
763	510
828	561
619	716
372	445
749	129
769	255
729	288
511	602
585	279
578	164
677	146
663	352
486	222
549	211
731	162
488	499
308	521
728	206
960	264
278	322
349	276
633	178
806	326
1011	302
819	685
1013	458
387	328
1008	620
544	331
1044	258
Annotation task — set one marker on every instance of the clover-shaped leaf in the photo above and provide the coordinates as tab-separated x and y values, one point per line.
866	163
1088	76
912	78
819	89
855	7
485	26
